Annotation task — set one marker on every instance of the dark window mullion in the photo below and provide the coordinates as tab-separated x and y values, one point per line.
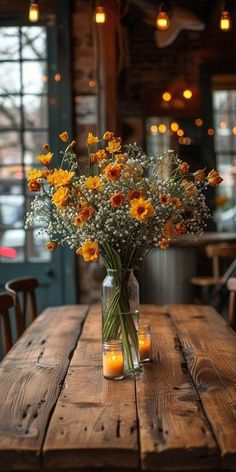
22	125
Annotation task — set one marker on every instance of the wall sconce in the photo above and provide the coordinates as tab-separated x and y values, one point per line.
100	14
162	20
225	20
34	11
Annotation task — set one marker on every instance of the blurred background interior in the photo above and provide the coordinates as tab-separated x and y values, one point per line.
172	88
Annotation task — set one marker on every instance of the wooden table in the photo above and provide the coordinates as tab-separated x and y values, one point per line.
57	412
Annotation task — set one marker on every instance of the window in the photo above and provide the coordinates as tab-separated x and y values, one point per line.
224	108
23	129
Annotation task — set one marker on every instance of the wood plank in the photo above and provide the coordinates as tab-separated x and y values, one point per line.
209	347
94	423
31	378
174	432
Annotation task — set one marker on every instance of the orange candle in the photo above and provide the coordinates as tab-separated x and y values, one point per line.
113	359
144	343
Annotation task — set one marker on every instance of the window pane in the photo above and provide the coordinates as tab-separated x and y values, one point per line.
9	111
223	143
10	150
9	43
219	100
9	77
33	146
36	250
12	210
34	77
10	179
12	242
35	111
33	42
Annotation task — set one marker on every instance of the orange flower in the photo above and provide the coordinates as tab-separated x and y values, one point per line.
180	228
98	156
87	213
51	245
46	147
108	135
175	201
214	178
34	186
91	139
168	229
164	198
121	158
89	250
60	177
78	221
199	175
134	194
64	136
113	171
60	197
164	244
93	183
184	168
114	145
117	199
34	174
45	159
141	209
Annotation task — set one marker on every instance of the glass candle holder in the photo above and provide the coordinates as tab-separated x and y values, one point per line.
145	343
113	359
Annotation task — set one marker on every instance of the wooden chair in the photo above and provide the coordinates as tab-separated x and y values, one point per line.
23	292
231	285
219	253
6	302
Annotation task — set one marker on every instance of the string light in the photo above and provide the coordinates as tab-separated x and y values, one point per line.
154	129
100	14
187	93
162	20
166	96
34	11
198	122
210	132
180	132
162	128
225	20
174	126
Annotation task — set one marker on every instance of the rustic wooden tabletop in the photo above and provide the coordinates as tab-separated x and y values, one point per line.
57	412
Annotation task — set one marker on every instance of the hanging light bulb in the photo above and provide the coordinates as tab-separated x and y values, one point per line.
100	14
34	11
162	20
225	20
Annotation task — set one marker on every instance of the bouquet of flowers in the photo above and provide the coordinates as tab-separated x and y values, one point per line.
126	204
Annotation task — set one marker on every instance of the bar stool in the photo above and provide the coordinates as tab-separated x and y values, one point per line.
6	302
231	285
219	253
23	292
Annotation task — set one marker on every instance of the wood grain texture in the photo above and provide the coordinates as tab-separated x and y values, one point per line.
209	347
31	378
174	433
94	423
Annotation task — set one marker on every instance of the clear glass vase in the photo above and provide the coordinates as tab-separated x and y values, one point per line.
120	313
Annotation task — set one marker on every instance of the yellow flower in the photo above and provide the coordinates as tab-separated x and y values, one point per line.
60	197
121	158
113	171
92	139
113	146
89	250
93	183
98	156
78	221
60	177
34	174
64	136
141	209
51	245
87	213
45	159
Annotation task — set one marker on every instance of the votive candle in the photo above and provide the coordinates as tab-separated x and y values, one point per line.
113	359
145	343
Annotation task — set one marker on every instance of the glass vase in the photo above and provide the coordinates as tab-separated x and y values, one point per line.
120	313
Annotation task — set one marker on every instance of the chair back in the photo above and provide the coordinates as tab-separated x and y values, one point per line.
6	302
219	252
23	292
231	285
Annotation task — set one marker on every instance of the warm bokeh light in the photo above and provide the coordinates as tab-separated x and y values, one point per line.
162	21
180	132
100	15
223	125
162	128
225	21
187	93
57	77
154	129
92	83
210	131
234	130
166	96
174	126
198	122
34	12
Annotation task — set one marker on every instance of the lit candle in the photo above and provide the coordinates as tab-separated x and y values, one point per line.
145	343
113	359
